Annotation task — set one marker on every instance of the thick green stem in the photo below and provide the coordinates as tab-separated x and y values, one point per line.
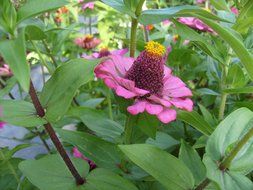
222	106
128	129
227	161
134	25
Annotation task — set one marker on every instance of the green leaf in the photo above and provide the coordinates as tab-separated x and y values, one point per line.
160	165
209	118
10	83
227	180
20	113
235	77
97	121
220	4
51	173
35	7
196	121
103	153
106	180
163	141
236	44
227	134
199	40
158	15
119	6
59	90
243	90
148	124
34	32
8	16
193	161
14	54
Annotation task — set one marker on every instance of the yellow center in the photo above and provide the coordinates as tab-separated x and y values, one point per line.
88	36
155	48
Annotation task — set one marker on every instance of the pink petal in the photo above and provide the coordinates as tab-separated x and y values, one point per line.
137	108
186	104
167	115
163	101
172	82
77	153
179	92
153	109
120	91
120	52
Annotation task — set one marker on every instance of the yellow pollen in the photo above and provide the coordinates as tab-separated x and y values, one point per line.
155	48
88	36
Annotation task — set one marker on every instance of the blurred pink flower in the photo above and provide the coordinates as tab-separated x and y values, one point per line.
166	22
89	5
148	81
234	10
195	23
200	1
104	52
78	154
2	124
87	42
5	71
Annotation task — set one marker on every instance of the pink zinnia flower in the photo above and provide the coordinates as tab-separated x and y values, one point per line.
104	52
195	23
2	124
89	5
78	154
166	22
234	10
87	42
5	71
148	81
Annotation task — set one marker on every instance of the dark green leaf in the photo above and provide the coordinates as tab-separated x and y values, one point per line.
20	113
160	165
58	92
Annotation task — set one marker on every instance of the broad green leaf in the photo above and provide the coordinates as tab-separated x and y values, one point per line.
165	168
59	90
97	121
235	77
225	137
220	4
243	90
101	179
20	113
207	91
163	141
35	7
193	161
51	173
34	32
228	180
196	121
158	15
236	44
14	53
8	16
103	153
120	6
148	124
209	118
199	40
10	83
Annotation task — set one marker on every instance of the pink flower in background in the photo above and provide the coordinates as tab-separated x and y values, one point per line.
166	22
104	52
2	124
89	5
148	81
5	71
234	10
87	42
78	154
195	23
200	1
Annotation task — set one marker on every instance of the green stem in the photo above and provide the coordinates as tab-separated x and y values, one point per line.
109	104
49	53
145	33
227	161
222	106
134	25
128	132
41	57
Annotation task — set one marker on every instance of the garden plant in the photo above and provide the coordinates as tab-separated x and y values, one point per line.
126	95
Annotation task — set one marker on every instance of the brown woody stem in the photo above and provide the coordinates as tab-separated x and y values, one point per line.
54	138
